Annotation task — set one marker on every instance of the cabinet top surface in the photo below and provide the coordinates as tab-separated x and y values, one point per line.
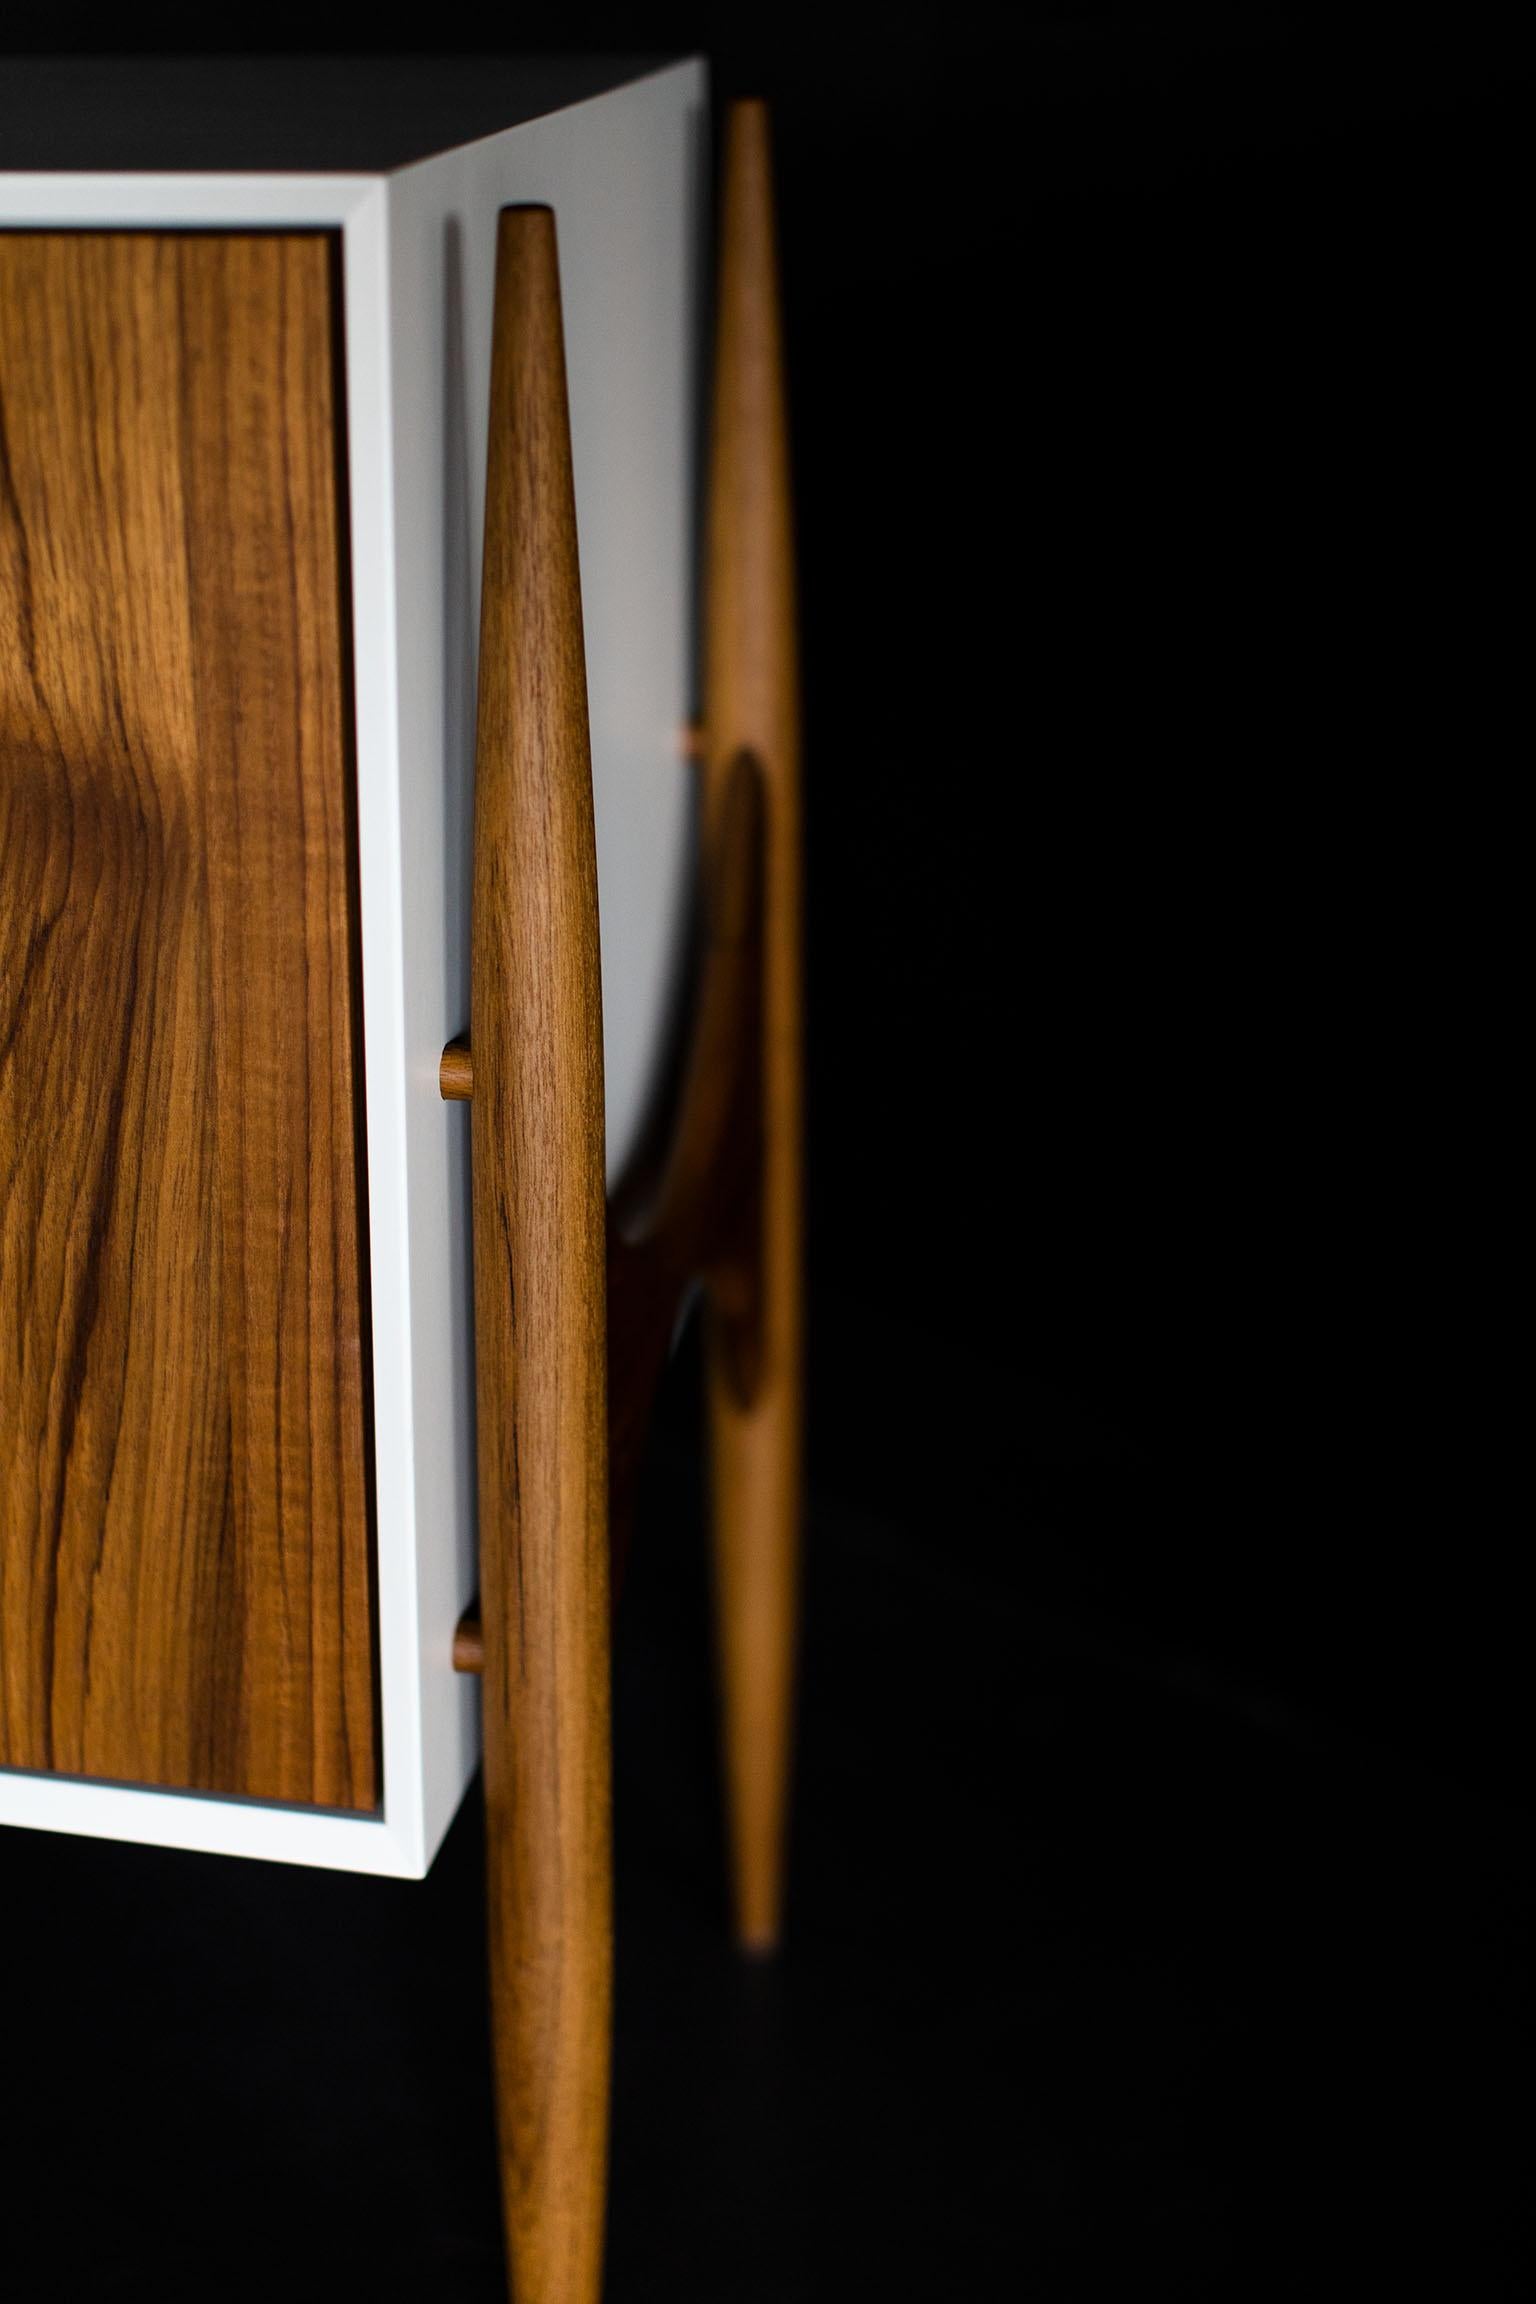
311	114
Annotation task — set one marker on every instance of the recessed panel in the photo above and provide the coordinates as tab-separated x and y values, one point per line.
185	1553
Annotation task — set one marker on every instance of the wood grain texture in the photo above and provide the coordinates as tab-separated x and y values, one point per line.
751	704
538	1197
185	1577
695	1212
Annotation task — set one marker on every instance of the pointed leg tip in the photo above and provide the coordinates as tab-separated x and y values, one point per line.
758	1939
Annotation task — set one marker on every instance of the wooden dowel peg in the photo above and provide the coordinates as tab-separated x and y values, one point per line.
456	1073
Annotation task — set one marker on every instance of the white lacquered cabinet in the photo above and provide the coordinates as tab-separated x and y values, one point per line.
625	172
398	714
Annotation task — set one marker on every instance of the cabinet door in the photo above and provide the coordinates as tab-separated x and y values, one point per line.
185	1548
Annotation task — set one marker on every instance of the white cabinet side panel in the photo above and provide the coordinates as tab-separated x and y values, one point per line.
624	175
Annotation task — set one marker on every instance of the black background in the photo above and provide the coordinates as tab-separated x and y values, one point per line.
1163	1873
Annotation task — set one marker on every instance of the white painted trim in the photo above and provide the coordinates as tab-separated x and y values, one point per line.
38	202
376	721
325	1838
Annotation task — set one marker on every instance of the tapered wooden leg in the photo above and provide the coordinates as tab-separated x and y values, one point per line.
537	1136
751	703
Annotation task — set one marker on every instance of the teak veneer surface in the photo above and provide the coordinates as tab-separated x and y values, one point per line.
185	1569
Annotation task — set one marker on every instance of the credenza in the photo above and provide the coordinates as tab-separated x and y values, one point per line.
400	979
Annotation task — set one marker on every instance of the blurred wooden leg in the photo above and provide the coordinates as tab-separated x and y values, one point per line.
537	1134
751	704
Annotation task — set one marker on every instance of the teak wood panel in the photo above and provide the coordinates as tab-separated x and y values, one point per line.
185	1524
